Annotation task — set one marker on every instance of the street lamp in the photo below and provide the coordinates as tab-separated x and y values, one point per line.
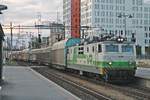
125	16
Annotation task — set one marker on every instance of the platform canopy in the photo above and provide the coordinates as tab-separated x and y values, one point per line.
2	7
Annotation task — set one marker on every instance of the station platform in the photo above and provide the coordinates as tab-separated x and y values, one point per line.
143	73
22	83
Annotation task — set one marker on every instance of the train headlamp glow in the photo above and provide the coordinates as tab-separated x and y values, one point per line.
120	39
130	62
110	63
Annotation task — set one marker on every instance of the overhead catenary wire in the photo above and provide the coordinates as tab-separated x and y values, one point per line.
50	27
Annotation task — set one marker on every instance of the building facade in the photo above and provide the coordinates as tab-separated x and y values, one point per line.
56	33
71	17
67	17
128	18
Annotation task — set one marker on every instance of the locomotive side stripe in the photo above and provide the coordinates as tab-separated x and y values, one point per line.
104	64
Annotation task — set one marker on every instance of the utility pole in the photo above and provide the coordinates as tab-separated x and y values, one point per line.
39	35
57	17
11	36
64	31
51	36
30	49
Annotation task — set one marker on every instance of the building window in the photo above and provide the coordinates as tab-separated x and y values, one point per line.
146	35
133	2
145	28
146	41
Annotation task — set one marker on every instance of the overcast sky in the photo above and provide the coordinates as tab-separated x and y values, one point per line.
26	11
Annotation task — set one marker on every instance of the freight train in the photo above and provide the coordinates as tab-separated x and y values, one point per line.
108	58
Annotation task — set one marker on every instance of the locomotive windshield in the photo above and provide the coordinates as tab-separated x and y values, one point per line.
112	48
127	48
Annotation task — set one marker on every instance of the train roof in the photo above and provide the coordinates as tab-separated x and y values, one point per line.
108	39
66	43
25	50
125	42
41	49
72	42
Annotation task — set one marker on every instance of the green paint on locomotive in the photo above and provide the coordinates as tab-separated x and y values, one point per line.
114	65
75	56
100	64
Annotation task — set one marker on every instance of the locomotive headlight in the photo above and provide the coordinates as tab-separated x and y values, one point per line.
121	39
110	63
130	62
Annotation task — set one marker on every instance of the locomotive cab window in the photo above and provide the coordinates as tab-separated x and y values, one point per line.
112	48
87	49
99	48
93	49
127	48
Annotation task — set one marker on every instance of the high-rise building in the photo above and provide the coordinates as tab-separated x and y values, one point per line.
129	18
56	33
67	17
71	17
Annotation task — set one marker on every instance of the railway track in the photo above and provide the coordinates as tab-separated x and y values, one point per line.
89	89
140	93
75	88
130	91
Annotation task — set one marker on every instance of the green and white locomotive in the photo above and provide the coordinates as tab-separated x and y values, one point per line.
112	59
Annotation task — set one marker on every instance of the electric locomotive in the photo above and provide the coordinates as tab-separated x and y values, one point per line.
113	59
